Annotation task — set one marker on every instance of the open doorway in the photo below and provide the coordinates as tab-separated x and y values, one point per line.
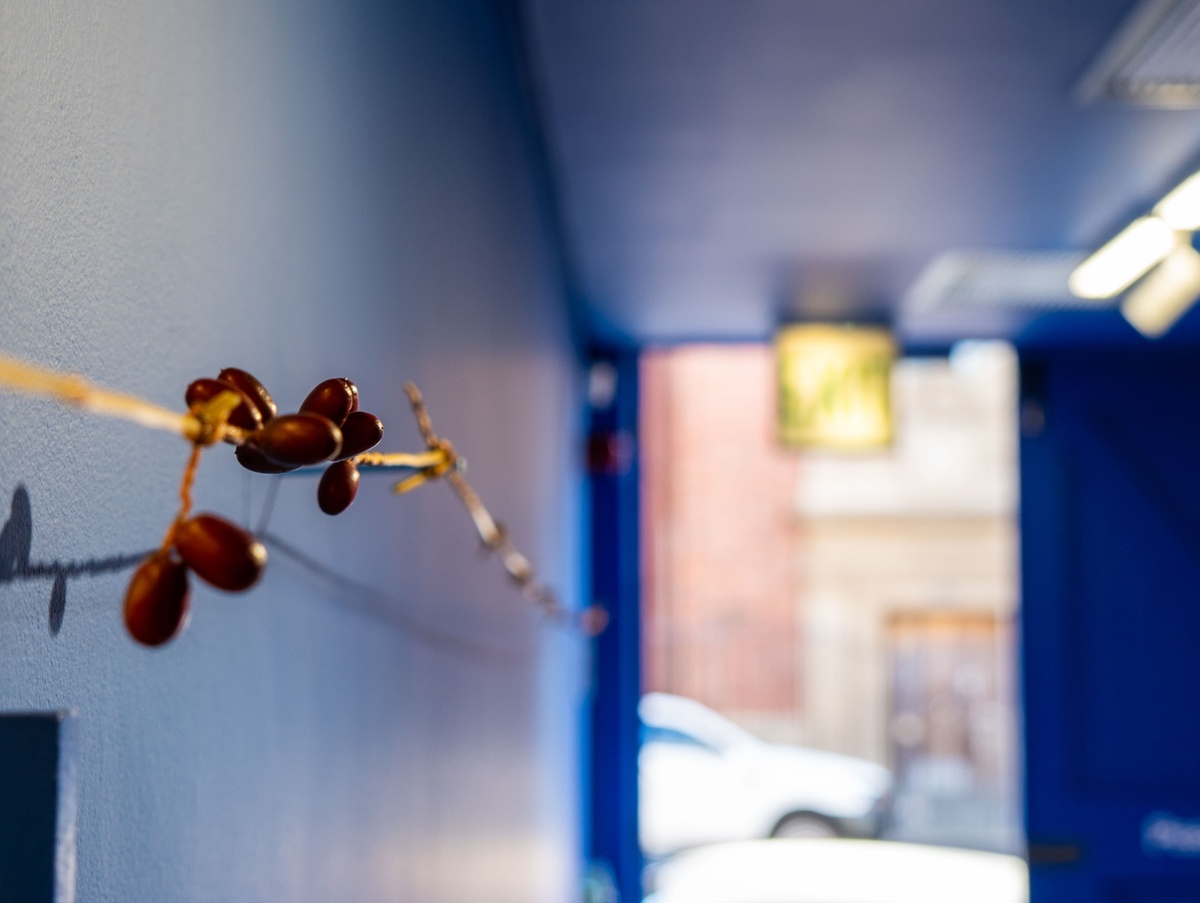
827	638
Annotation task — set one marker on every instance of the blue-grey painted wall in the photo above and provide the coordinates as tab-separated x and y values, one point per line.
304	190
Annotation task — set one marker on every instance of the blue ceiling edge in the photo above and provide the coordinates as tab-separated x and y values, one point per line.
1062	330
606	341
933	335
1104	329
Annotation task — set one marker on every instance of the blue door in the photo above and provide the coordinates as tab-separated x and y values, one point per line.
1110	515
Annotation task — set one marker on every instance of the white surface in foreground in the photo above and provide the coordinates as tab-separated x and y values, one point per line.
839	871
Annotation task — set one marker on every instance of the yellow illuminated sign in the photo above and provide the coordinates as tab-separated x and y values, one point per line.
834	387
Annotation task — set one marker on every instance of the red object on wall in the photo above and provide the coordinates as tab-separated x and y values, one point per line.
609	454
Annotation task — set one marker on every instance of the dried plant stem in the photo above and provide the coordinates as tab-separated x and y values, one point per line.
417	461
74	390
208	423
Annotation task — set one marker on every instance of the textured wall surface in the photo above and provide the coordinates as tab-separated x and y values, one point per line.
303	190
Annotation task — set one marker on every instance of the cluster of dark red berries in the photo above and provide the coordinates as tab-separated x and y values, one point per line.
328	427
158	601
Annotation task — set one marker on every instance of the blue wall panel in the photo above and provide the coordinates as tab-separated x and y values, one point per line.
304	190
1110	514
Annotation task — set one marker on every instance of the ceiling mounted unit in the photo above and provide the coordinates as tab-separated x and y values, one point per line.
966	280
1152	60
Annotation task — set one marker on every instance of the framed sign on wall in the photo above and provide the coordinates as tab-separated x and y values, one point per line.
834	387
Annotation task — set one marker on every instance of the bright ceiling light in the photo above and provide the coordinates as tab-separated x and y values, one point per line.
1115	267
1181	208
1160	300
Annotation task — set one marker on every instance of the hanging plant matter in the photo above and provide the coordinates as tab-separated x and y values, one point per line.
329	431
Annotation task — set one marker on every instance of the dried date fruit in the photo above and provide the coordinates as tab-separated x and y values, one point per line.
338	486
252	459
245	416
333	398
221	553
252	389
299	439
157	602
360	432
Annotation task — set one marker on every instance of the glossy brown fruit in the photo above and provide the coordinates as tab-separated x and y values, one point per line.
333	398
299	439
252	389
360	432
221	553
245	415
157	602
252	459
338	486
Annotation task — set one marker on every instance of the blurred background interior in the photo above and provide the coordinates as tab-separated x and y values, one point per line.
857	604
844	352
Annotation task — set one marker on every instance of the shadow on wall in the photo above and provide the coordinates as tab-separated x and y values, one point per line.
16	542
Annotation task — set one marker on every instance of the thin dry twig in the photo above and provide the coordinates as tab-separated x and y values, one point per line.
495	538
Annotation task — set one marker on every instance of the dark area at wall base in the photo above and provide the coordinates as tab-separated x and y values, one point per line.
37	799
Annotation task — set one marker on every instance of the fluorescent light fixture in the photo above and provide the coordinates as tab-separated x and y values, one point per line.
1118	264
1164	295
1181	208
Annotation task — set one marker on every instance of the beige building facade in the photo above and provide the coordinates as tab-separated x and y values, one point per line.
924	532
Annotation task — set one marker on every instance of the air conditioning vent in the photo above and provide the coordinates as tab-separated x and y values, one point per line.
966	280
1152	60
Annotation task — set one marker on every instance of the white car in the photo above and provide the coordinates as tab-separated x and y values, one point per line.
702	779
839	871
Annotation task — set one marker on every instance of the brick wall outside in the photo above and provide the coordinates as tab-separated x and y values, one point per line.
719	554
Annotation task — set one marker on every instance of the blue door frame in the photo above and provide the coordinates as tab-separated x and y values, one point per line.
617	679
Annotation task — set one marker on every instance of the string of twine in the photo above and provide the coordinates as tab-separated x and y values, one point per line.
208	424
